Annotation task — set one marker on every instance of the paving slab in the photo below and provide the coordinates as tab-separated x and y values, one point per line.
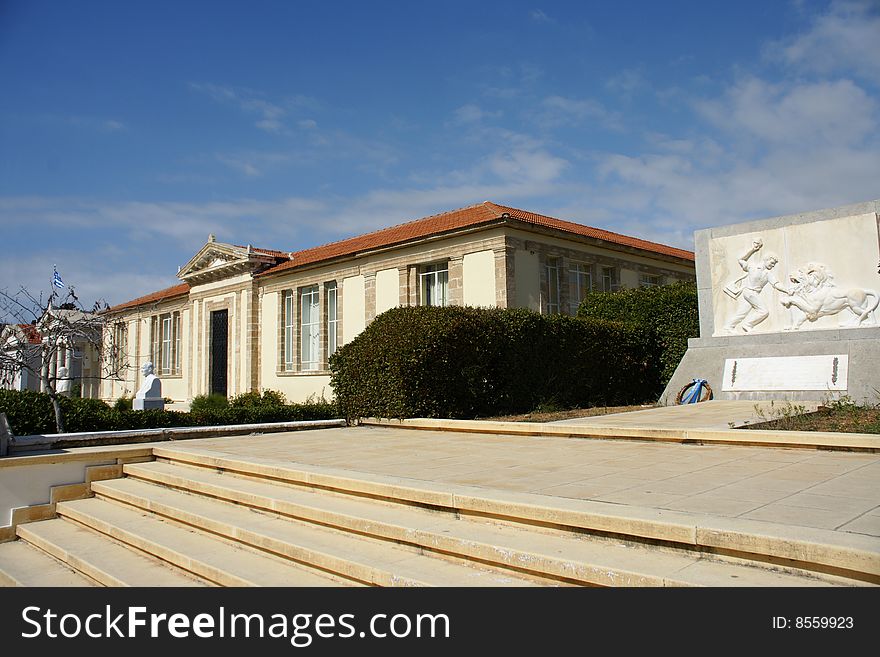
714	414
791	487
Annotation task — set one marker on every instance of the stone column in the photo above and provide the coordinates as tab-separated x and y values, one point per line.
403	278
455	287
505	289
412	276
369	298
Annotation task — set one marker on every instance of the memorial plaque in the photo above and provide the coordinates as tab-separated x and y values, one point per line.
786	373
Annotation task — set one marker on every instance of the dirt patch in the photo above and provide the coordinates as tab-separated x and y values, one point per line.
570	414
842	418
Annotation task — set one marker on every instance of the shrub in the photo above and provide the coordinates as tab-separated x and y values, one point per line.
31	413
668	312
269	398
28	412
123	403
213	402
468	362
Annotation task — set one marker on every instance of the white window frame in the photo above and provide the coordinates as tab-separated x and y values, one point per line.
165	343
609	278
580	282
434	285
288	332
650	280
332	318
310	328
552	267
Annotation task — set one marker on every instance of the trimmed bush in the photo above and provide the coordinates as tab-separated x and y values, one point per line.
461	362
31	413
213	402
668	312
269	398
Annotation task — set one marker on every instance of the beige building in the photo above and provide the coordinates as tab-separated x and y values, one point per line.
246	318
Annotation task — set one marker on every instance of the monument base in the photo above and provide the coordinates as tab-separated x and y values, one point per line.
849	366
147	404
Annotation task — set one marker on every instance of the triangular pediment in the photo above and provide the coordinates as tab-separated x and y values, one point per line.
216	261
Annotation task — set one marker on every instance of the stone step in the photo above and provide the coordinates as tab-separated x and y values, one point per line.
25	565
212	558
355	557
567	558
104	560
850	557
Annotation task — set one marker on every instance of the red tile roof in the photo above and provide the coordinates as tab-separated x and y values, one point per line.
155	297
475	215
30	331
469	217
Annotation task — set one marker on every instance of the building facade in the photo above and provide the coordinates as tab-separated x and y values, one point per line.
246	318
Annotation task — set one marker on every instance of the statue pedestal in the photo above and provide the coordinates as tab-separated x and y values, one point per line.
147	404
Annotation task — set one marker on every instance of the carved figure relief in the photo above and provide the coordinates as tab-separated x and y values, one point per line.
815	295
751	309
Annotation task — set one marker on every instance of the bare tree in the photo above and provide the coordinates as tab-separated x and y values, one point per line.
64	328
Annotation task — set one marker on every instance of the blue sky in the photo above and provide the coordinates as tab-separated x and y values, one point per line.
129	131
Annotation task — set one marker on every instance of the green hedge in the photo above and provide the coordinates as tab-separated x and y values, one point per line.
469	362
668	312
31	413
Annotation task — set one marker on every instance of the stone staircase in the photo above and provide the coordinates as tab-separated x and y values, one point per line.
192	518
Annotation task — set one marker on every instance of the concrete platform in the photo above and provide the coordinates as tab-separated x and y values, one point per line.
838	491
409	505
715	414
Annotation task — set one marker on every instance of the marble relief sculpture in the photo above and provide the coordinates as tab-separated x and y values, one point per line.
815	295
751	309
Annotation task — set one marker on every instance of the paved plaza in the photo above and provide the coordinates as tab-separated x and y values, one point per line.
837	491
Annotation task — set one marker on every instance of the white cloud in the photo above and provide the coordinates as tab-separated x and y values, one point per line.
627	82
249	101
843	39
832	112
539	16
556	111
471	113
251	165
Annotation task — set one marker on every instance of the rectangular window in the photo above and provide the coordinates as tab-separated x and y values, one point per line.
119	348
434	284
609	279
310	321
650	280
553	301
332	318
165	343
580	282
288	330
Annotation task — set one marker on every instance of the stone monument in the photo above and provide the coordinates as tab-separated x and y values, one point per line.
788	308
149	395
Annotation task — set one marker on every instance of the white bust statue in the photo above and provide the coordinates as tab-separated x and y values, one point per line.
63	381
149	395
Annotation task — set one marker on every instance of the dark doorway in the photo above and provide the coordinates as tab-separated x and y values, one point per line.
219	340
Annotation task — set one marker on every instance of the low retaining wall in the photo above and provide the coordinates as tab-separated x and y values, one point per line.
40	468
19	444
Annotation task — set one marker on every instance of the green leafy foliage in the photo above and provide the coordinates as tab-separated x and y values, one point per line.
668	312
31	413
212	402
268	398
123	403
469	362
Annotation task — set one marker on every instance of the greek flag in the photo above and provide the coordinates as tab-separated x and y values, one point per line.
56	279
